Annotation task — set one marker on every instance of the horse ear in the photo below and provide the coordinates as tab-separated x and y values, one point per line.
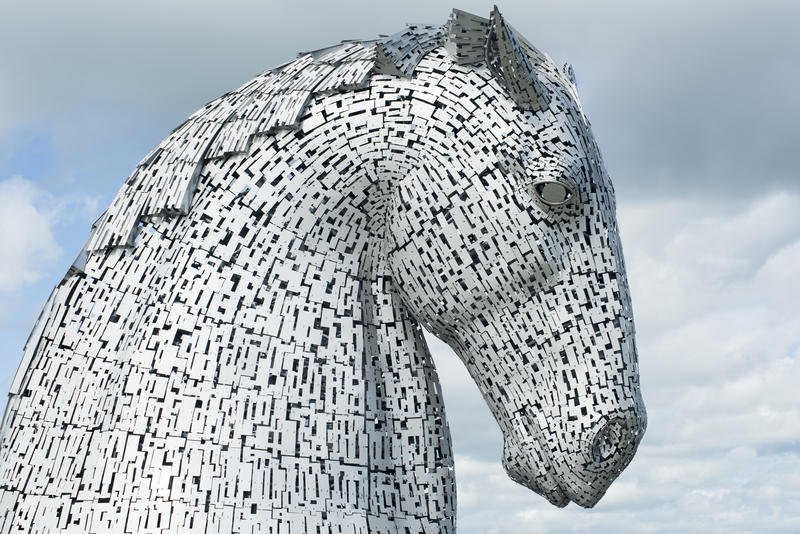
466	37
569	72
510	65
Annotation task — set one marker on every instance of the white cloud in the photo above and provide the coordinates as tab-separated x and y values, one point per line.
736	490
692	256
715	290
27	216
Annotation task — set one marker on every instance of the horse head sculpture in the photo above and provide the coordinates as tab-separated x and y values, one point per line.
533	295
238	346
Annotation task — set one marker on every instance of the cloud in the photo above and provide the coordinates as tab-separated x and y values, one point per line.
682	95
26	243
31	218
730	488
713	285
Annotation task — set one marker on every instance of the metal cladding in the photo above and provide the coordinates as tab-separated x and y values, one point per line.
238	347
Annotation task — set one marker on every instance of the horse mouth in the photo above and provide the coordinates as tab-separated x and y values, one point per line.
519	462
545	484
549	480
548	485
584	478
554	493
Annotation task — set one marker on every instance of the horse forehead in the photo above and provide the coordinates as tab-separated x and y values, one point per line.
556	144
560	131
563	120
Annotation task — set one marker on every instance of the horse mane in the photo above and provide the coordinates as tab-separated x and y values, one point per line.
163	184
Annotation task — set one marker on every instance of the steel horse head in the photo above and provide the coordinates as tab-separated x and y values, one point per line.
238	347
505	244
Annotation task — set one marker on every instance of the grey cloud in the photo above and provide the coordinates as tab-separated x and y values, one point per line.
681	95
685	95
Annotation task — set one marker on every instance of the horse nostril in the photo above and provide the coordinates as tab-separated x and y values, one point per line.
615	441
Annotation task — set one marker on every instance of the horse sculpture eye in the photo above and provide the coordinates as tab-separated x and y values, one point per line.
553	193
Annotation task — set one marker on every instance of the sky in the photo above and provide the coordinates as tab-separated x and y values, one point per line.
696	108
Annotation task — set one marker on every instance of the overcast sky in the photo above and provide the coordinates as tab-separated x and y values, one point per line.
696	107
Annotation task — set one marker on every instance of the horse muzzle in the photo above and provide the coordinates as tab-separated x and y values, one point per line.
580	470
585	474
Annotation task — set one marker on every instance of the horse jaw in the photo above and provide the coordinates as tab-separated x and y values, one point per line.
537	474
548	446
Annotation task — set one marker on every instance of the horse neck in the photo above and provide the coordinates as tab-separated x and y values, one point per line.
345	347
394	356
293	366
